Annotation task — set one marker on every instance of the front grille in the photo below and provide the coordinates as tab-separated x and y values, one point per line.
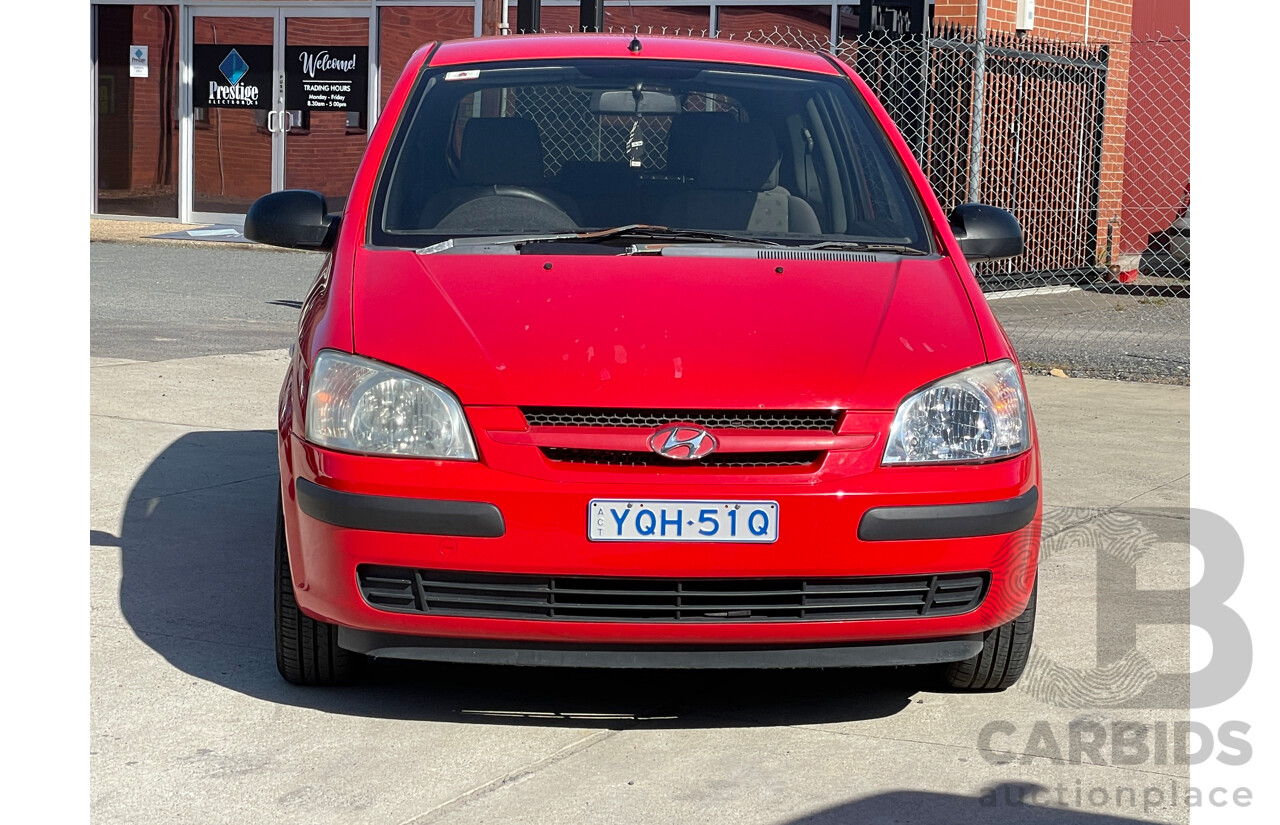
812	420
446	593
629	458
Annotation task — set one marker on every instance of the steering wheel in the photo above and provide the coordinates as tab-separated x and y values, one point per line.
556	218
505	191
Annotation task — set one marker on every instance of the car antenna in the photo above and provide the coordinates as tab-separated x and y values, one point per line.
634	46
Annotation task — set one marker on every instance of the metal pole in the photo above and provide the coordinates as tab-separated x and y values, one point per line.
491	17
917	12
591	15
528	16
979	93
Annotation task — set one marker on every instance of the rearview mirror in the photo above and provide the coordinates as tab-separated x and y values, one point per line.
985	233
624	102
292	218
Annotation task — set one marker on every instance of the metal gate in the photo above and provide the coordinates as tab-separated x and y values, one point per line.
1042	131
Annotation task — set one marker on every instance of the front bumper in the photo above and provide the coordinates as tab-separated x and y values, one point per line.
682	657
843	521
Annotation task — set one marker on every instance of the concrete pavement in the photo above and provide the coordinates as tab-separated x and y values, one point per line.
190	722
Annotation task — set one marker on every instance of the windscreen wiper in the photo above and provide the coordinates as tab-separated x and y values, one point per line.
655	232
867	246
661	233
635	230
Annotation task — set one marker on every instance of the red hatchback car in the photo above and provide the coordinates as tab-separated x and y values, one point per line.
646	352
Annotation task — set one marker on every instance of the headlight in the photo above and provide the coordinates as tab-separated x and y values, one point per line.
362	406
972	416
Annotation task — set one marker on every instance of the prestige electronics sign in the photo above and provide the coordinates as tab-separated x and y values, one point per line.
327	78
232	77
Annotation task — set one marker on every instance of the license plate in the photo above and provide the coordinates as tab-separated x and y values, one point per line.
628	520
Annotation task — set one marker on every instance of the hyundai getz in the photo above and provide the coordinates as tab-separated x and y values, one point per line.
648	353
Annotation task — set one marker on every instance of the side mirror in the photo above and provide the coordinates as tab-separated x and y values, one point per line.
292	218
985	233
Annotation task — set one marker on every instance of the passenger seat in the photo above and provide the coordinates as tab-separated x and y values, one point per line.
735	186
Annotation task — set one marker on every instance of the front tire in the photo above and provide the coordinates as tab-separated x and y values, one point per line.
1003	657
307	651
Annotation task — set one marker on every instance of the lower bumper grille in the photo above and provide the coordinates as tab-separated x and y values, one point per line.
448	593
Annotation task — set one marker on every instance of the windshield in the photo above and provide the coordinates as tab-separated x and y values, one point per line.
523	149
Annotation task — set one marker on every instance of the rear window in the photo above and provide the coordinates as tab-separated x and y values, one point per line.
519	148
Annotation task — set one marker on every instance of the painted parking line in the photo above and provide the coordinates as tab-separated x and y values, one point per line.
1036	290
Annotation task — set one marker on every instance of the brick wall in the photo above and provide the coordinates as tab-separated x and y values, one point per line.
1109	20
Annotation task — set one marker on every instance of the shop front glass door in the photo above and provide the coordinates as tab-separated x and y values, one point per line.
233	112
326	72
279	100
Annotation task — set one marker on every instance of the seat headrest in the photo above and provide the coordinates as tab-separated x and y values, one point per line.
501	150
739	156
688	134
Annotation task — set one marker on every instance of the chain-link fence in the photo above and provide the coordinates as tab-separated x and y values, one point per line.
1088	144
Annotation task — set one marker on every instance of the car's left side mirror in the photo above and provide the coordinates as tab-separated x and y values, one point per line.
292	218
985	233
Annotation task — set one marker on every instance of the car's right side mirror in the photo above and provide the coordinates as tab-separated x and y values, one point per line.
985	233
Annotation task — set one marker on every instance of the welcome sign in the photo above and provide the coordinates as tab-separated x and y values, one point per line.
232	77
329	78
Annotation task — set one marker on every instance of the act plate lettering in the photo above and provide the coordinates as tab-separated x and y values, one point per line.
631	520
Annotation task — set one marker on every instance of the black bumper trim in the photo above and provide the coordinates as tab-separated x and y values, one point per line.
400	515
949	521
704	657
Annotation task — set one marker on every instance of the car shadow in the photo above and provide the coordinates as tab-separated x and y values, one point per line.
196	586
1008	803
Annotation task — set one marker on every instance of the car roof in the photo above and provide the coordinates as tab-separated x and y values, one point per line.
544	46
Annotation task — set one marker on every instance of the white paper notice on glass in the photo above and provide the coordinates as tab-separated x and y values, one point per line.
137	61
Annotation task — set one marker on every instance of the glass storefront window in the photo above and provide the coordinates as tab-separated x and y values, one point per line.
403	29
231	161
324	147
551	19
659	20
808	26
670	20
137	119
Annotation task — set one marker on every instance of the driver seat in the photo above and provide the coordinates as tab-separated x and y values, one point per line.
500	157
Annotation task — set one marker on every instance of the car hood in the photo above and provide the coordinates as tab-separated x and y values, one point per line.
661	331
